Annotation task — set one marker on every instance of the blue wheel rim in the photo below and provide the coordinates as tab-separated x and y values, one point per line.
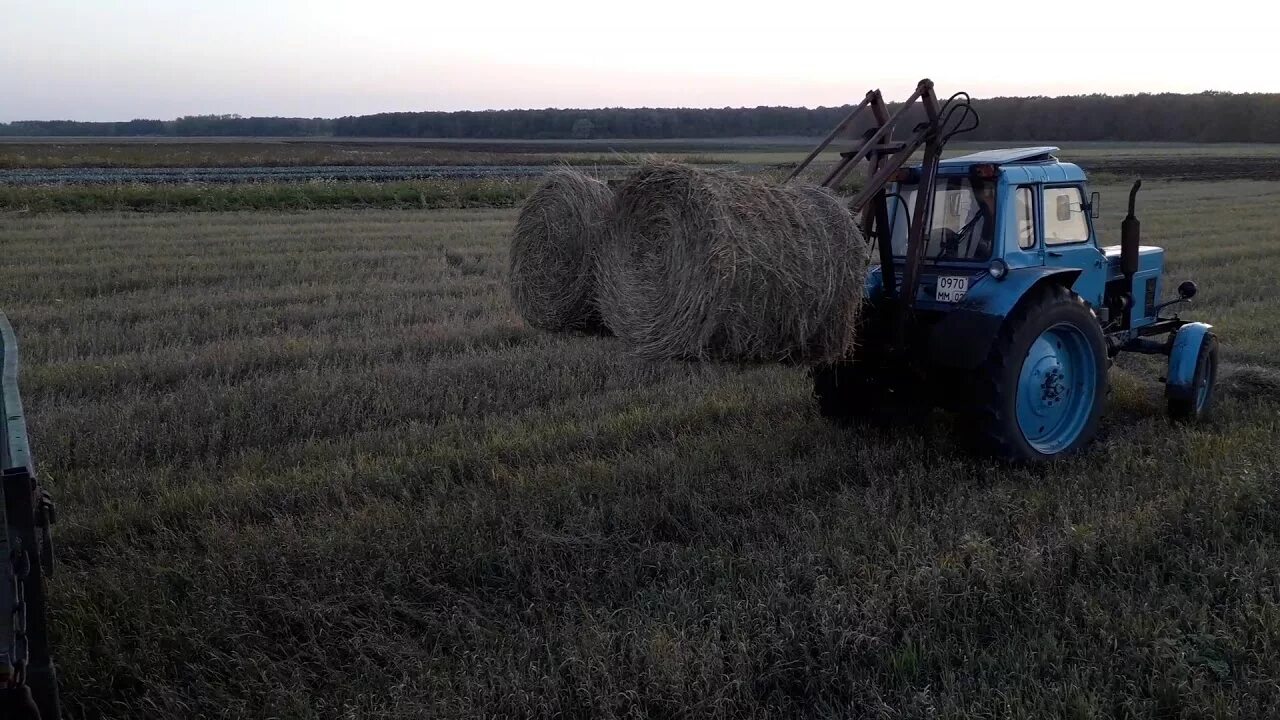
1056	389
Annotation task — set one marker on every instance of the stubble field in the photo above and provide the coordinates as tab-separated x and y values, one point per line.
313	465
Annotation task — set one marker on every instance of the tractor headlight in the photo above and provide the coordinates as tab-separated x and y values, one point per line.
998	269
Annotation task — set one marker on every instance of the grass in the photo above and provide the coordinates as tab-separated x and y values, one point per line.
797	148
312	465
162	197
138	153
1106	162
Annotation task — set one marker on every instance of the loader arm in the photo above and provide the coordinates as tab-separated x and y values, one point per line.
885	158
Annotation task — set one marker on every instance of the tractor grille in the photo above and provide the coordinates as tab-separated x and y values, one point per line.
1150	297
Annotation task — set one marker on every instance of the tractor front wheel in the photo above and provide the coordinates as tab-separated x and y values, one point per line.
1041	389
1193	403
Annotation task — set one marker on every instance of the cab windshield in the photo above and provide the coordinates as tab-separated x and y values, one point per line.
963	226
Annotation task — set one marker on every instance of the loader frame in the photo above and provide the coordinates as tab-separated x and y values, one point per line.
885	158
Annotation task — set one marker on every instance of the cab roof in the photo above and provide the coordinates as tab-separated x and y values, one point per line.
1017	165
1006	156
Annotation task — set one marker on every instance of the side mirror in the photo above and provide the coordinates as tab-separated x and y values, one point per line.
1187	290
1064	208
1095	205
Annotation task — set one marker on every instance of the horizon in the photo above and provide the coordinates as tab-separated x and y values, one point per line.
891	101
144	59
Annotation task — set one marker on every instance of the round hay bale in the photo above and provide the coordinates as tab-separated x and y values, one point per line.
709	264
553	249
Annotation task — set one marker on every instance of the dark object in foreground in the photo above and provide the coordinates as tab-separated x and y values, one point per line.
27	677
993	296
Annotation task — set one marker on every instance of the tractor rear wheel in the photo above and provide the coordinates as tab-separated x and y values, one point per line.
1040	391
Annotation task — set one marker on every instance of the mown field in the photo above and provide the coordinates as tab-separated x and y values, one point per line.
269	152
231	174
426	194
1216	161
313	465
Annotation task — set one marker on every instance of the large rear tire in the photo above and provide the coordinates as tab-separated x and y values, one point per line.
1041	389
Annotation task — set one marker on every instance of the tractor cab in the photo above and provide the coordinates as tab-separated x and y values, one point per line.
992	295
994	212
972	195
999	212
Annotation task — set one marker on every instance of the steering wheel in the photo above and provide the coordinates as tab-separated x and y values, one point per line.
948	242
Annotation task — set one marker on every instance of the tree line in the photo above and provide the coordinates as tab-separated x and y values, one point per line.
187	126
1202	117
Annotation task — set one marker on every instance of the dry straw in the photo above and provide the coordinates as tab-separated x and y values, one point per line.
1249	382
553	252
710	264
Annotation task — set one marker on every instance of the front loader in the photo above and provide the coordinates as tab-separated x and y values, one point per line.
992	295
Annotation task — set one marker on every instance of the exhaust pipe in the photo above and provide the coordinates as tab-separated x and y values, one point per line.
1130	232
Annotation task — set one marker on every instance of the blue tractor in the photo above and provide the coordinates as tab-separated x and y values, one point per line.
993	296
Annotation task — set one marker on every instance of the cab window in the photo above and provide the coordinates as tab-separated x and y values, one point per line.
1026	218
963	219
1064	216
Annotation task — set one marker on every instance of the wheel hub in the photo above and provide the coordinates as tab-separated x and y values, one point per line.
1048	386
1055	386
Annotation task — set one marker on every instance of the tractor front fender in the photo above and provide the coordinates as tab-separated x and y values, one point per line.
1183	356
962	338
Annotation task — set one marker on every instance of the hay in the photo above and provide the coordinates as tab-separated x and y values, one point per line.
553	252
1249	382
708	264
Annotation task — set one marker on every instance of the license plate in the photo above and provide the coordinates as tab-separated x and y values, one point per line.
952	288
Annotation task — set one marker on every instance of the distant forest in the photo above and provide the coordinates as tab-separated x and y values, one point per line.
1203	117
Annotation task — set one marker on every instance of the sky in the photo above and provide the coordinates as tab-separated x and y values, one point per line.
124	59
